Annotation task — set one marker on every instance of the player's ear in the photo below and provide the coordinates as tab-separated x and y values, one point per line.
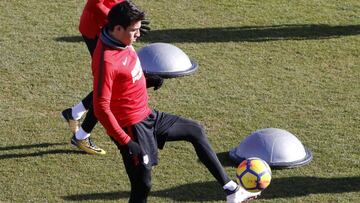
118	28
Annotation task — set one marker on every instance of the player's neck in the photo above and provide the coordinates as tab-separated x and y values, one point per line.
108	37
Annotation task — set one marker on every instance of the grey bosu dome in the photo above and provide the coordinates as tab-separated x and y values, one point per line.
279	148
165	60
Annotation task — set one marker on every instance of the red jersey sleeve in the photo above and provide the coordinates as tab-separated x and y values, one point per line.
94	16
100	8
104	75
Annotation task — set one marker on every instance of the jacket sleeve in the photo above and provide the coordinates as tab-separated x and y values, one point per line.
99	8
104	76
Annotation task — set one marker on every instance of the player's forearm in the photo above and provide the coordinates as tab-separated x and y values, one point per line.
102	9
107	119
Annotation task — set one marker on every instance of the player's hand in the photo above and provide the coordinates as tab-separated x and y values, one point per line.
134	148
154	81
135	152
144	29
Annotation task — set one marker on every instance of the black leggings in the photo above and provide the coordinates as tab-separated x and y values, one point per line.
193	132
90	120
166	128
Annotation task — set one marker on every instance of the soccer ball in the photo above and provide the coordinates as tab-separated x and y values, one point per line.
254	174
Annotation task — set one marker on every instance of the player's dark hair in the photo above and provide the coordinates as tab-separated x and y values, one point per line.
124	14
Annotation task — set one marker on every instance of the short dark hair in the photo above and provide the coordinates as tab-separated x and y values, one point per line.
124	14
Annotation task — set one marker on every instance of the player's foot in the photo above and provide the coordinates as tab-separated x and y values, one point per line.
73	124
87	145
240	195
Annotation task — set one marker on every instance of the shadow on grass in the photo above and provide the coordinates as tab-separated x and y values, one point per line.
206	191
302	186
35	154
40	145
211	191
72	39
244	34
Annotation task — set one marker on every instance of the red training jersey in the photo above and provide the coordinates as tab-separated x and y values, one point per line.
120	97
94	15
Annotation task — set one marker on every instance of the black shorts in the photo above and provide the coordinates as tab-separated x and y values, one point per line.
151	134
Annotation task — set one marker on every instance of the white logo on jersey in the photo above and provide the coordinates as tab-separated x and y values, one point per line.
136	73
124	62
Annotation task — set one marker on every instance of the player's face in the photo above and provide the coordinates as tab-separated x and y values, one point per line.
130	34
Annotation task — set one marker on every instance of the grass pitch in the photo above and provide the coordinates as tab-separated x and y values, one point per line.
286	64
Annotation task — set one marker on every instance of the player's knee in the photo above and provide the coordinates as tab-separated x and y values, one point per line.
147	186
140	190
198	133
146	182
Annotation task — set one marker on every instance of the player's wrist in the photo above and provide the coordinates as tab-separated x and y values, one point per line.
134	147
154	81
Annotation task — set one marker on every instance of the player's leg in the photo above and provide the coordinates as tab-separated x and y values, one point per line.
90	43
139	175
72	115
81	138
81	135
90	120
187	130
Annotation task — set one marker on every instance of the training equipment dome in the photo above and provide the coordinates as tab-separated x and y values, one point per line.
279	148
165	60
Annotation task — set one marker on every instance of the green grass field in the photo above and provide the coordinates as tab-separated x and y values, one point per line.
293	65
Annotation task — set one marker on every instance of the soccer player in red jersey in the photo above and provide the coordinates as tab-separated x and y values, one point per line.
120	102
93	18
